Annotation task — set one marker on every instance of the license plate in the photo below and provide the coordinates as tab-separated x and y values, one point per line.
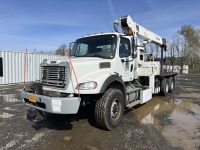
32	98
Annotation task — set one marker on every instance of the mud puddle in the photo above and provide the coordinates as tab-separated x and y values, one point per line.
186	118
174	119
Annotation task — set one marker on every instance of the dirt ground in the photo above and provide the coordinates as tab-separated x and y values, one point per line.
171	122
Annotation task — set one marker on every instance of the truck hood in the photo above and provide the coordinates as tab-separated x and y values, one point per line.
86	68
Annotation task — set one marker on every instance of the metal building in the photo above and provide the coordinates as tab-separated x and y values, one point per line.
14	64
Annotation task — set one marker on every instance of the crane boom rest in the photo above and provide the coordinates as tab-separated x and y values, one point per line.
132	28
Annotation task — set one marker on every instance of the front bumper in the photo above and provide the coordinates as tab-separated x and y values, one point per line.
56	105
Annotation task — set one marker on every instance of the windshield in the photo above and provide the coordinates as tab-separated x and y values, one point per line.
102	46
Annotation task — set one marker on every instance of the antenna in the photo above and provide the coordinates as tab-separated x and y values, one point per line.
112	12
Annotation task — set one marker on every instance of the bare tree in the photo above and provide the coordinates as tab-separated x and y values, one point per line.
61	50
176	50
43	51
154	49
171	52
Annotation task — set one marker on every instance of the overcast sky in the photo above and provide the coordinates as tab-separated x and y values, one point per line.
46	24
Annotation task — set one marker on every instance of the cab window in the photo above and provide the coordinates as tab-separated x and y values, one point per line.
124	48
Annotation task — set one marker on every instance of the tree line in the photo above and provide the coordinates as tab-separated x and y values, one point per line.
185	48
61	50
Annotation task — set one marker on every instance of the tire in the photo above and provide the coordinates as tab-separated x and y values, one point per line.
171	82
164	88
109	109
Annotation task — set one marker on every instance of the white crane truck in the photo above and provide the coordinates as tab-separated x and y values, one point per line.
108	69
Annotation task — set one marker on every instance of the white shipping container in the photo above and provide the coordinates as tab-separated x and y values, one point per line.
13	66
185	69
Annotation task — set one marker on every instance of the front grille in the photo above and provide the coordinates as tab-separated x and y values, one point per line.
54	76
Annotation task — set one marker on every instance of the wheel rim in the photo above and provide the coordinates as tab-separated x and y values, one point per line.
167	88
115	109
172	85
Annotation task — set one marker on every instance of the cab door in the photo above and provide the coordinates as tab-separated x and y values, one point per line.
126	59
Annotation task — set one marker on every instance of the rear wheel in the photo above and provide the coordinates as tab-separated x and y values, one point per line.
164	88
109	109
171	81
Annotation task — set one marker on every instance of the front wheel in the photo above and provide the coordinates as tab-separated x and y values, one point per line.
109	109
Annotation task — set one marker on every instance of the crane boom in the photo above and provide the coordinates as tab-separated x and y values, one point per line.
131	27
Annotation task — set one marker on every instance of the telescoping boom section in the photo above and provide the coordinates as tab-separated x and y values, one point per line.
132	28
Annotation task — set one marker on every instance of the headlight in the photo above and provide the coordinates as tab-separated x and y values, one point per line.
87	85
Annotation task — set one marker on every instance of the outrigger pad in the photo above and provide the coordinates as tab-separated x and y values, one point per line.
34	115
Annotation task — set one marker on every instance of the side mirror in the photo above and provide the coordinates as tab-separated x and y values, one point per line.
134	54
1	67
71	47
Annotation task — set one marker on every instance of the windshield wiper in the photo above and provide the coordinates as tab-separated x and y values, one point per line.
100	55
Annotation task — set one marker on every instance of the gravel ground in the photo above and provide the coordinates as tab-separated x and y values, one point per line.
171	122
